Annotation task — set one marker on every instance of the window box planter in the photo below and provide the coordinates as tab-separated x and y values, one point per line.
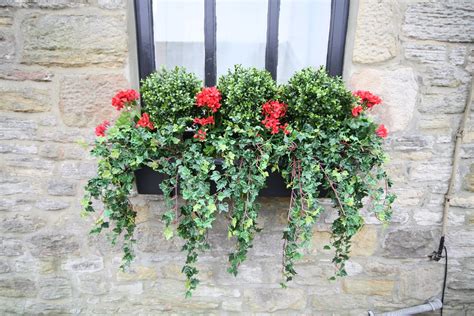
148	182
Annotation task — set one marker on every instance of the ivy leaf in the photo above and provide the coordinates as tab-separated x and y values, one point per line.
168	233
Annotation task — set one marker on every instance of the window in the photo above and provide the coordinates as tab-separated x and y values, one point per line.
210	36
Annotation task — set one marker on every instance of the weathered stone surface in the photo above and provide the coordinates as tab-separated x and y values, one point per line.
464	278
93	283
457	55
447	21
425	53
410	243
446	75
91	264
45	4
431	171
364	242
18	149
13	187
4	267
24	100
85	100
271	300
51	205
17	287
398	90
61	187
7	46
77	170
368	287
376	34
111	4
54	288
411	143
137	273
443	101
53	244
6	18
74	40
10	247
20	224
421	281
22	75
15	128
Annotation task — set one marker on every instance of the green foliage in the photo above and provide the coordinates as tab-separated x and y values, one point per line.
316	99
326	150
168	96
244	90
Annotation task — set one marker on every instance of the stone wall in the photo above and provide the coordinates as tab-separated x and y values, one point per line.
61	61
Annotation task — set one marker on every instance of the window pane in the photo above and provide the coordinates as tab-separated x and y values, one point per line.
303	35
179	34
241	33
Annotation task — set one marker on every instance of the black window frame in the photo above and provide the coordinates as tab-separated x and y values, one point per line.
146	45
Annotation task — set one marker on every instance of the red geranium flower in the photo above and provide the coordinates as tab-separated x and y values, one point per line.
381	131
273	112
124	97
144	121
209	97
367	98
101	128
357	110
201	135
204	121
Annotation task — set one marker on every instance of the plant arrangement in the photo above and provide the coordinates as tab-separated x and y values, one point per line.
312	130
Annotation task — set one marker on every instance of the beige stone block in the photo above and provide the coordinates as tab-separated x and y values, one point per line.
421	281
368	287
364	243
397	88
74	40
277	299
376	37
138	273
85	100
25	100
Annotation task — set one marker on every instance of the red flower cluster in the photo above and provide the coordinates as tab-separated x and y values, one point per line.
367	98
122	98
101	128
381	131
204	121
210	98
357	110
144	121
273	112
201	135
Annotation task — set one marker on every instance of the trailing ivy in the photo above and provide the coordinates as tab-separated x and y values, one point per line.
216	147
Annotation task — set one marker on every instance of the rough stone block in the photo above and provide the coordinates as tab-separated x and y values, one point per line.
44	4
137	273
93	283
410	243
17	74
17	287
443	101
364	242
16	128
368	287
446	75
11	247
53	244
74	40
111	4
25	100
421	281
51	205
271	300
397	88
20	224
18	149
457	55
376	34
86	100
61	188
7	46
77	170
86	264
425	53
54	288
446	21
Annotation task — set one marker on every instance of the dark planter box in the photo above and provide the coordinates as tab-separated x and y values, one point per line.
148	182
